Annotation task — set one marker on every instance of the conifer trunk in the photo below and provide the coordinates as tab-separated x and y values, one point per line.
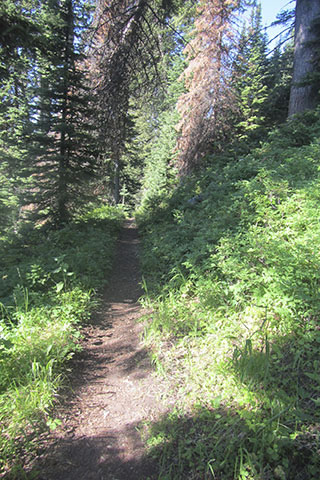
116	180
63	214
303	97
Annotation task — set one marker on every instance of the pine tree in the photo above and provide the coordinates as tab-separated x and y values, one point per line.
45	145
156	114
207	105
128	49
278	80
63	151
250	80
20	39
160	153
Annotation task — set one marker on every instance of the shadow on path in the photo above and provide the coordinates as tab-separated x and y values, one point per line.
113	388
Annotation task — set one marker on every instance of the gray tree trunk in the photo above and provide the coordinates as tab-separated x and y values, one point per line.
303	97
116	182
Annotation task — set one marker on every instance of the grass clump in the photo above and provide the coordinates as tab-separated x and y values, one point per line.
234	285
48	284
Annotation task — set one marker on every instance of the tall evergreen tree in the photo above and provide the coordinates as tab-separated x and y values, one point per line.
128	48
207	105
278	80
20	39
161	135
250	79
44	143
63	152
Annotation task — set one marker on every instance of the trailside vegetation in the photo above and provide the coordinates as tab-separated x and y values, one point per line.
230	262
56	244
232	282
48	285
179	109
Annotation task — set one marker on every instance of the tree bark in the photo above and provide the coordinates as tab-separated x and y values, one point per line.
63	214
303	97
116	180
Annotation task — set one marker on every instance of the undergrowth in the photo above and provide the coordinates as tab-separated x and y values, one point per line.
233	281
48	283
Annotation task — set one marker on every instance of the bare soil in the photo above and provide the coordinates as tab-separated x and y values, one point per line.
114	389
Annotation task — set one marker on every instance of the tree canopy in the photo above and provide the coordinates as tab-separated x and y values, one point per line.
88	87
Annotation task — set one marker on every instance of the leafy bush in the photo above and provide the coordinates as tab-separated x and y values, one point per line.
234	284
49	281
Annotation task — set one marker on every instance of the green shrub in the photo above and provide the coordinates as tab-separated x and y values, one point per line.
49	282
234	285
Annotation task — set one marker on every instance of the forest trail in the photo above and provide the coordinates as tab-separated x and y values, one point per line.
113	387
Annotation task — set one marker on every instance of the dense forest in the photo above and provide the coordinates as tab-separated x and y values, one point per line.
188	116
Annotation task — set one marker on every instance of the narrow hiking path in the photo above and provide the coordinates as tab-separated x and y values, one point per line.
113	388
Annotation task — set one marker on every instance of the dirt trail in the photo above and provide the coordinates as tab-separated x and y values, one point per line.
114	388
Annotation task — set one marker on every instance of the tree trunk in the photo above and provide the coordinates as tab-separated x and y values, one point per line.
303	97
63	213
116	192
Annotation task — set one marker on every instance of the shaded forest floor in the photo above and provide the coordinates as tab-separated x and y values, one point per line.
113	388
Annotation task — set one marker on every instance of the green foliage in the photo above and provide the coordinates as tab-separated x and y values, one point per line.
48	285
278	81
159	173
46	144
233	281
18	43
252	94
62	148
